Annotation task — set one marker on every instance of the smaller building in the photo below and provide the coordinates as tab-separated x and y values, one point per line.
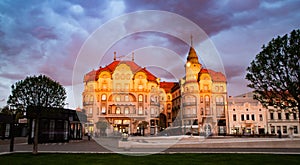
285	122
54	124
5	124
246	116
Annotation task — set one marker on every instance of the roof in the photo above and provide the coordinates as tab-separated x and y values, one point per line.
94	74
167	86
192	57
215	76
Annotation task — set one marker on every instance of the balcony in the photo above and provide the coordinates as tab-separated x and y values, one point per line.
154	103
88	103
190	115
154	116
220	103
189	103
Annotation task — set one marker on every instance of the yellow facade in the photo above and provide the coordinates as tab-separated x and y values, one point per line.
133	100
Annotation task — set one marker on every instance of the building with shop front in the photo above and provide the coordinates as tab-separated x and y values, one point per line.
127	95
285	122
246	115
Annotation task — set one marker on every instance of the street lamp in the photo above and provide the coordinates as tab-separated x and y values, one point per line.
12	129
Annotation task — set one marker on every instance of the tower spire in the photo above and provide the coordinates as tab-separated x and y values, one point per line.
192	41
132	56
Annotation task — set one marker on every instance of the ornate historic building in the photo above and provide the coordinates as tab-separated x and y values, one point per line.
131	98
200	99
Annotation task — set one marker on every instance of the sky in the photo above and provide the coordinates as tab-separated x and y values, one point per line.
46	37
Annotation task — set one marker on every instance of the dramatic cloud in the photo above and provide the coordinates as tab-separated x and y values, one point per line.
44	37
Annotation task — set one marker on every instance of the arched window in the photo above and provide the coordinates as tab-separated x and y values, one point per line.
140	98
103	97
206	98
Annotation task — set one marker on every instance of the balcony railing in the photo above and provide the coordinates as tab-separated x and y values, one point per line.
189	115
220	103
189	103
88	103
154	103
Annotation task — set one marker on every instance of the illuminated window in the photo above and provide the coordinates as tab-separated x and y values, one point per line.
126	97
140	110
140	98
221	88
103	109
103	97
152	112
126	110
140	87
104	86
118	98
91	98
118	110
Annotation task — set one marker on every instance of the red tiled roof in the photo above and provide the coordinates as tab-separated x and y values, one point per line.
167	86
93	75
215	76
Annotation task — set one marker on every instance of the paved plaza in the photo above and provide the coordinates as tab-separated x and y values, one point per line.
183	144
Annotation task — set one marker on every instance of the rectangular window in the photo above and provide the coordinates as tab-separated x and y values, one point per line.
126	98
295	116
234	117
7	129
272	129
284	129
169	115
287	116
118	98
152	111
126	110
295	129
248	117
140	110
278	129
253	117
260	117
103	109
272	116
279	116
91	111
242	117
51	129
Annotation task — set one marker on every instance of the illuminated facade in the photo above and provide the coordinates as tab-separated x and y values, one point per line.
127	95
200	99
246	115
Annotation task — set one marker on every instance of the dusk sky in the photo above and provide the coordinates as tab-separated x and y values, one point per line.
45	37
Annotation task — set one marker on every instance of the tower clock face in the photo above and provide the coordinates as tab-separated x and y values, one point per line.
188	64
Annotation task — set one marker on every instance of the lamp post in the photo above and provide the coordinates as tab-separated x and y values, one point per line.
12	130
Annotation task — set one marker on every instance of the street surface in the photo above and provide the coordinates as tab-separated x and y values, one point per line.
184	145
